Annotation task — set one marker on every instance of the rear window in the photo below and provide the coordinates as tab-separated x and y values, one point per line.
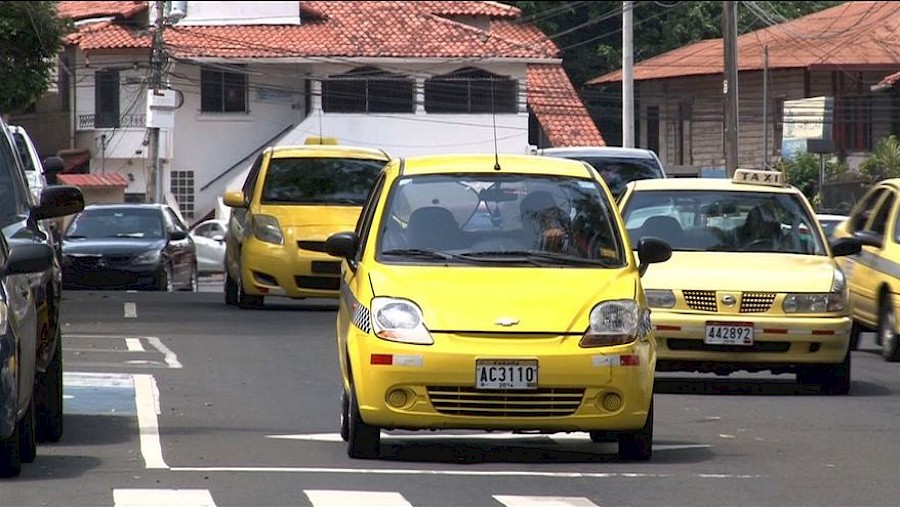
618	172
308	180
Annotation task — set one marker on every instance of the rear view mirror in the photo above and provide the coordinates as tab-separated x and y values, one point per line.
869	239
235	199
28	258
59	200
342	244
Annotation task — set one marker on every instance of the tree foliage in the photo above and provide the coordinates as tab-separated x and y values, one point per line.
883	162
802	171
30	39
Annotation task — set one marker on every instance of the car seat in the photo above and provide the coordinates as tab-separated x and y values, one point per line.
432	228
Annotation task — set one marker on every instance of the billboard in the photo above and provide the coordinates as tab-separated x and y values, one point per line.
808	118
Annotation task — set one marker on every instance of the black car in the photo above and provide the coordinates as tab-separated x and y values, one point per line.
114	246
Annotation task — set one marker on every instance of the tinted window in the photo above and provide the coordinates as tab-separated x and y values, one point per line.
617	172
309	180
117	223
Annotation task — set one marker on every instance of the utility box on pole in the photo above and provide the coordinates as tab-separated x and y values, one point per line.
161	109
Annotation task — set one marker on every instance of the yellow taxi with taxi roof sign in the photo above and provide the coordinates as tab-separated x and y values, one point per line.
752	285
494	293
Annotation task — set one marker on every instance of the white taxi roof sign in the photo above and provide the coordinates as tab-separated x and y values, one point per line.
759	177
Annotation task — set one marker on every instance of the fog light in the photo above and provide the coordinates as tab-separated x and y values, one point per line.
397	398
611	402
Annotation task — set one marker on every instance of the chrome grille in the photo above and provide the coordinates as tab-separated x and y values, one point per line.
468	401
702	300
757	302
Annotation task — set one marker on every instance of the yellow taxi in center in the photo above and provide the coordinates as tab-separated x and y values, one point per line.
752	285
492	293
294	197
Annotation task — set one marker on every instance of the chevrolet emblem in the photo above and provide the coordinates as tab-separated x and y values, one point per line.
506	321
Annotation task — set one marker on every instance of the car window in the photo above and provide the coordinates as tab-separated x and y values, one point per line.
117	223
13	200
878	224
617	172
364	222
319	180
175	223
481	214
864	210
717	220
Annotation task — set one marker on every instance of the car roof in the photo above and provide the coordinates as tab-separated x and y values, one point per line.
129	205
598	151
708	184
485	163
328	150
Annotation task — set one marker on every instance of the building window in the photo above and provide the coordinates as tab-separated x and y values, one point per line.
223	91
853	119
64	82
471	90
106	99
182	185
653	129
368	90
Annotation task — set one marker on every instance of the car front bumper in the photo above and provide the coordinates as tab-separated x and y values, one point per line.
289	271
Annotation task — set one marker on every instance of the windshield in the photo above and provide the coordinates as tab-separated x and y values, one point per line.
117	223
716	220
328	180
618	172
500	219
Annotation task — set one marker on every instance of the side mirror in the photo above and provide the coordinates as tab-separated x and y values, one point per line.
218	237
845	246
869	239
57	201
234	199
177	235
53	166
652	250
28	258
342	244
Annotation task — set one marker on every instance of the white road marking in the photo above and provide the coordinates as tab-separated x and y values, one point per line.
134	345
146	398
80	379
336	498
544	501
130	310
171	357
157	497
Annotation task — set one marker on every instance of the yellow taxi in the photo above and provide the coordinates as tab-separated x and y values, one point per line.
489	292
294	197
874	274
752	285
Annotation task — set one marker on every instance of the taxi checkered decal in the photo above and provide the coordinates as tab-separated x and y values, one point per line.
359	314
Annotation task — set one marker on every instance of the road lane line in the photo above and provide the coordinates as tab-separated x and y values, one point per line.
338	498
130	310
544	501
146	397
134	345
171	357
157	497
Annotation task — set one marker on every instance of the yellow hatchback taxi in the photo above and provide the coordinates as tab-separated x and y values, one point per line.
752	285
874	274
489	293
294	197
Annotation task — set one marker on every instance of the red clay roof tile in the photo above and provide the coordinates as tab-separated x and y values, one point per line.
558	108
93	180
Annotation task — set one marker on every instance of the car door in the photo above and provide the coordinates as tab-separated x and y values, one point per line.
181	247
238	221
864	270
208	249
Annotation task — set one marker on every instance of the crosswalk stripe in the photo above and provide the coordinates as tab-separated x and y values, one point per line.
544	501
157	497
343	498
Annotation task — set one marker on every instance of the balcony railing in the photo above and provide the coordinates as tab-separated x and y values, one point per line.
89	121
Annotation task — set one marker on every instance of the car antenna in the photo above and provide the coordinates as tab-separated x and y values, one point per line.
494	120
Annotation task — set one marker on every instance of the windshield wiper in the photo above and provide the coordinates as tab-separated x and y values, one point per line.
425	254
538	257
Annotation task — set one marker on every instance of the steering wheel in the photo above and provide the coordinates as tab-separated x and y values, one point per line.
760	244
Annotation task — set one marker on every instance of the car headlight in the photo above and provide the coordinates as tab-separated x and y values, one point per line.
660	298
615	323
151	257
399	320
266	228
834	301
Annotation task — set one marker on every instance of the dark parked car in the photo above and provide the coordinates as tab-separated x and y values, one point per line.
616	165
118	246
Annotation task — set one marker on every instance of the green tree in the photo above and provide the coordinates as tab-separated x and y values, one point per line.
802	171
883	162
30	39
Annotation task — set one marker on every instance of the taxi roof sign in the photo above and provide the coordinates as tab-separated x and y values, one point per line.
758	177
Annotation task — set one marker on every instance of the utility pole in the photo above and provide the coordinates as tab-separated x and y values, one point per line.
730	86
157	63
628	74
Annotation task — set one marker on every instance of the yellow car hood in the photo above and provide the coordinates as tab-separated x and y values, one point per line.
504	300
744	271
326	219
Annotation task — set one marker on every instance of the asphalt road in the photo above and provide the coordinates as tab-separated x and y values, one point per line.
177	399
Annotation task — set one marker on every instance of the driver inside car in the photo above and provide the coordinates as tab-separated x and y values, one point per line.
761	230
543	222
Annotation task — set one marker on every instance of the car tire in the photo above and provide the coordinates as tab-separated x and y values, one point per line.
887	338
833	379
855	330
345	416
194	282
363	441
48	396
164	280
10	460
603	436
638	445
245	301
27	440
231	290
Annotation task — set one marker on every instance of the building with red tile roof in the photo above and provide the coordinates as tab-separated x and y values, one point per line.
245	75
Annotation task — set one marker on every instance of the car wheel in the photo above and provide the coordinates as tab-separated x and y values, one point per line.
246	301
27	440
603	436
164	278
10	462
855	330
345	416
48	397
887	338
363	441
231	291
194	282
638	445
